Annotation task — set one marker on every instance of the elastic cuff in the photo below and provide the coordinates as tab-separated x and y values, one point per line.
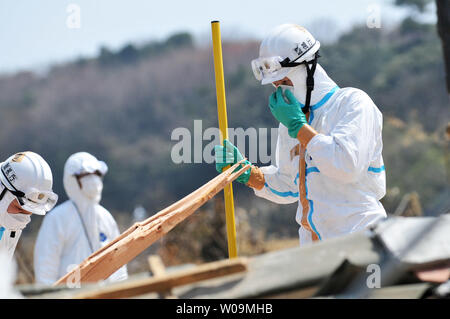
293	130
305	134
256	179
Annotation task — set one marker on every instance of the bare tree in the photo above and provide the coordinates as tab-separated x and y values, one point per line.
443	25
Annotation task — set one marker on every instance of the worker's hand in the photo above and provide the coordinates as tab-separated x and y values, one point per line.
288	113
228	154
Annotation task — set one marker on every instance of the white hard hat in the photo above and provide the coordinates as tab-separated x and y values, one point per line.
286	46
28	177
82	163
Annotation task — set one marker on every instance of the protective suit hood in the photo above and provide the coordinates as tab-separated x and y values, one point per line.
11	225
87	198
11	221
323	84
77	195
92	186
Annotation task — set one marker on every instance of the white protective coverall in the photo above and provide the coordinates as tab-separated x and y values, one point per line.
344	175
8	275
73	230
11	225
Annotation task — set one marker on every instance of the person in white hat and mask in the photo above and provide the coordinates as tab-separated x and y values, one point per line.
329	147
25	188
78	227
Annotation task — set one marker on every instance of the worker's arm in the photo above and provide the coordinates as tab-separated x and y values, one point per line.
276	182
280	184
305	135
346	151
47	251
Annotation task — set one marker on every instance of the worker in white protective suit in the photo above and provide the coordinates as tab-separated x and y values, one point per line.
78	227
25	188
329	147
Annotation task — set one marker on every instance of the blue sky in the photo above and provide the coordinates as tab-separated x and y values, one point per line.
34	34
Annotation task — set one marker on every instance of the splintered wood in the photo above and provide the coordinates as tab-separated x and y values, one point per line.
105	261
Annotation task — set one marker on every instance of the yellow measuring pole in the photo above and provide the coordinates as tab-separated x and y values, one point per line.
223	125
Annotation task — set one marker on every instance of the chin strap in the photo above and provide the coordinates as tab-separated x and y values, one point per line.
3	192
286	63
310	80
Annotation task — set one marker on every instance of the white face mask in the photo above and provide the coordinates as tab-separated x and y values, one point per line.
284	87
92	187
287	88
11	221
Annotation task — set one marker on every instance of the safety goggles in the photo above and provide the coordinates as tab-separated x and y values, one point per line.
83	174
269	69
90	167
38	202
34	201
274	68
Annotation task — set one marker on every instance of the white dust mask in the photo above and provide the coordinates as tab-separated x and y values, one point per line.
92	187
287	88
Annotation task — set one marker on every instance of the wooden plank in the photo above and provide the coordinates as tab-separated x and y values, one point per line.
156	265
168	281
158	269
104	262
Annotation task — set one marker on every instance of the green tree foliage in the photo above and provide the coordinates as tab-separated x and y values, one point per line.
131	53
415	4
402	70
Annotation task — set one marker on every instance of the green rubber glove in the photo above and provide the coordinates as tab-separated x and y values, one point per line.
289	114
229	155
